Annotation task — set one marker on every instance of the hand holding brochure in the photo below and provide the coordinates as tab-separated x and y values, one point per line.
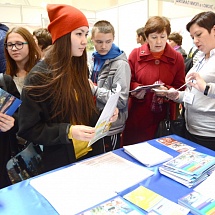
8	103
143	152
145	87
103	124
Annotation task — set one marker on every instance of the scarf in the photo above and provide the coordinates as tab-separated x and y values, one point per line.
99	60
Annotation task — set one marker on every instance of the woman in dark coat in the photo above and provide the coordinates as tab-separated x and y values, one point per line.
8	129
58	110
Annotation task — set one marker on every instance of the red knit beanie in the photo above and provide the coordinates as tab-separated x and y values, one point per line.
64	19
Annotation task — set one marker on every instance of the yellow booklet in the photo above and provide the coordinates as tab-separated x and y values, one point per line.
153	202
144	198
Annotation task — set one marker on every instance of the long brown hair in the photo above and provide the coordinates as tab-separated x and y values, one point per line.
67	86
34	53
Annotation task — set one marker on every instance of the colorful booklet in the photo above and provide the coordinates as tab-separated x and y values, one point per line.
154	203
198	204
174	144
189	168
143	153
103	124
8	103
114	206
190	163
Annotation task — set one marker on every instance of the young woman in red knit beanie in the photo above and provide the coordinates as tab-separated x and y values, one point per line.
57	108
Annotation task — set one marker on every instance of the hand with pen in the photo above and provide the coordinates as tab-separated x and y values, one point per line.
196	81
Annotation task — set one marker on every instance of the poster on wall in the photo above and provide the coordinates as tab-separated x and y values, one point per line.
198	4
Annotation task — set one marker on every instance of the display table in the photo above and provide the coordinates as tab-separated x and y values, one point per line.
22	198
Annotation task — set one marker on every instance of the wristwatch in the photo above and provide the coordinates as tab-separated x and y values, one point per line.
206	90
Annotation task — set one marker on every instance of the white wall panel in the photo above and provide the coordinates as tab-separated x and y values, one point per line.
126	19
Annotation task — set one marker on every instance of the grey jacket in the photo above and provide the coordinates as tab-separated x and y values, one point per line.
114	71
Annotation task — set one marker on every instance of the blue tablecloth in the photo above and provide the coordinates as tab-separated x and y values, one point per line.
23	199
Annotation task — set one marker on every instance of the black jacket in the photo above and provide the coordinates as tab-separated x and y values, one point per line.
8	141
3	32
35	126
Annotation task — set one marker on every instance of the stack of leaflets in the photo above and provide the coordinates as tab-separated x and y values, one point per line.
143	153
198	204
189	168
153	203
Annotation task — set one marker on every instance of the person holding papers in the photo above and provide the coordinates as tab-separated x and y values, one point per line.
58	110
8	129
199	95
155	62
110	67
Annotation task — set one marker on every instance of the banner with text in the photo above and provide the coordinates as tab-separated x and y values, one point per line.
209	5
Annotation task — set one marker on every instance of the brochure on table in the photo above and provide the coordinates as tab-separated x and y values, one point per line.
152	201
174	144
103	124
89	182
114	206
198	203
143	153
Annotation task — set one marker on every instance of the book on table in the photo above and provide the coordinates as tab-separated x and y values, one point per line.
189	168
174	144
143	153
198	203
116	205
151	201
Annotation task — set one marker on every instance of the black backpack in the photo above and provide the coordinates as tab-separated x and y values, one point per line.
189	60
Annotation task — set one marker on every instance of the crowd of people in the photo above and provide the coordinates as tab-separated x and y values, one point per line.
62	97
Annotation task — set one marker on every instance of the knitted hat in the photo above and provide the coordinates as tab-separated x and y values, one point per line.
64	19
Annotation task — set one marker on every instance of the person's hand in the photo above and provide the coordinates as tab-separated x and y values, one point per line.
161	94
115	115
83	132
139	95
196	81
92	86
6	122
172	94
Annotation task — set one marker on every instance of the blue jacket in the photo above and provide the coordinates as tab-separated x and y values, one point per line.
3	32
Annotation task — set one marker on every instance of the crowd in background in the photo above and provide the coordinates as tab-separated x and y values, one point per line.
62	96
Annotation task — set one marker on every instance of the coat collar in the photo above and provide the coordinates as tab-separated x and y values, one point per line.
169	55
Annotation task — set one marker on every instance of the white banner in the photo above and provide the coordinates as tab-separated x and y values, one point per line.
196	4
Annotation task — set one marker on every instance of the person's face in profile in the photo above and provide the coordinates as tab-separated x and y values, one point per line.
202	38
79	40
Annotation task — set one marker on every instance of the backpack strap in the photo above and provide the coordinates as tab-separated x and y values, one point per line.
194	53
2	82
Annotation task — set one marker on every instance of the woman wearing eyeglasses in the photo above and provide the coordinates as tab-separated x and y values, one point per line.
21	54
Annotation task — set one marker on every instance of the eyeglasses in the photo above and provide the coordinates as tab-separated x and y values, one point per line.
18	45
